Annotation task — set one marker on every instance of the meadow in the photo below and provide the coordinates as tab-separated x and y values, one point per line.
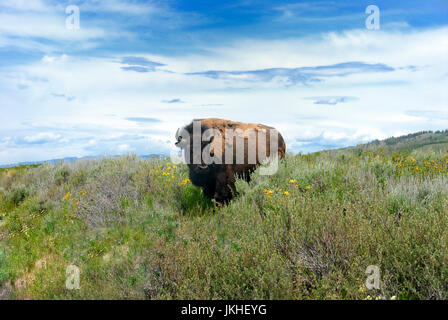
138	229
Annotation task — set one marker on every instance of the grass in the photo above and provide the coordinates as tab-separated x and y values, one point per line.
138	229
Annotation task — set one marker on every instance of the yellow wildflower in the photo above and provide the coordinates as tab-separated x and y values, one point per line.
67	196
292	181
286	193
184	182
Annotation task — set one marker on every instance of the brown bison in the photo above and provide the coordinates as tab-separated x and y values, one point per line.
218	150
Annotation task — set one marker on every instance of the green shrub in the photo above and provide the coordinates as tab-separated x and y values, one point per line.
62	175
18	194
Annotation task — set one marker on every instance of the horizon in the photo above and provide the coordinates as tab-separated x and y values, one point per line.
132	72
145	156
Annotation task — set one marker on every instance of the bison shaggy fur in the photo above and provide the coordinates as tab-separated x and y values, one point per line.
217	179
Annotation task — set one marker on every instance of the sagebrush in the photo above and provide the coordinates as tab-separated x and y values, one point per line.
138	229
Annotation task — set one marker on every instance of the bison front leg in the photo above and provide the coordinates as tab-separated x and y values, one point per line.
209	190
225	187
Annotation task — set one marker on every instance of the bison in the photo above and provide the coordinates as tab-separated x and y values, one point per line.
217	151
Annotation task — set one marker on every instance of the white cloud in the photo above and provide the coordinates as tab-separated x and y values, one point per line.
42	137
25	5
41	26
50	26
118	6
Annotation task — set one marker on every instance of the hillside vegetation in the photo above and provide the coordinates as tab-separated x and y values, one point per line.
138	229
424	140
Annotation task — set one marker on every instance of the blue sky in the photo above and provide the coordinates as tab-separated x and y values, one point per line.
136	70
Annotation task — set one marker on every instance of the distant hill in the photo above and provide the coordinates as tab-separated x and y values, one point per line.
68	159
424	141
31	163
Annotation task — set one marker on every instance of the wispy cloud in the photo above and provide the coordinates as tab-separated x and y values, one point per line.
331	100
24	5
428	114
211	105
291	11
173	101
142	119
120	6
125	143
302	75
63	96
139	64
49	26
137	69
38	138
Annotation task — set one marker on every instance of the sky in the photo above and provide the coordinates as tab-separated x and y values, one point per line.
132	72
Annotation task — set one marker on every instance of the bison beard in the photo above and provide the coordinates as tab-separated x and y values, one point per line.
218	179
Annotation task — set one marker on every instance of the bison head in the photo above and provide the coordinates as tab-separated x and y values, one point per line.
197	142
